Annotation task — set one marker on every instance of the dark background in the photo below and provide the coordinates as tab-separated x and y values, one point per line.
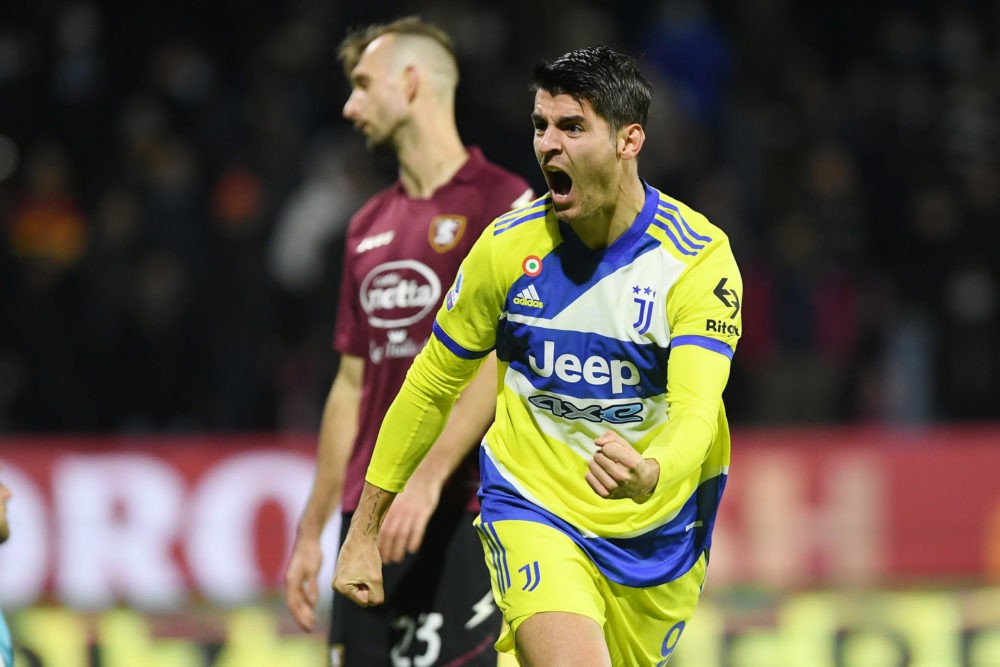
175	179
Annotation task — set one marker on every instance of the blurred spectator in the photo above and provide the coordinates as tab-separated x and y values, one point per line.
46	237
317	212
159	367
240	305
688	46
47	234
174	182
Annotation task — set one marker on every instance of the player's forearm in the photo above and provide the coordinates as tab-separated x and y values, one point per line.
473	412
372	508
418	414
336	436
680	450
697	378
328	481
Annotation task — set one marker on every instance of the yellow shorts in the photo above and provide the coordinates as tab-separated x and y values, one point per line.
537	568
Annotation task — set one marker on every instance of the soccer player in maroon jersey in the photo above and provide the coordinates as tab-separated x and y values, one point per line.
403	249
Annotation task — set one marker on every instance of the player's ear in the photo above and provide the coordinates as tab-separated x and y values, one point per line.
630	141
411	82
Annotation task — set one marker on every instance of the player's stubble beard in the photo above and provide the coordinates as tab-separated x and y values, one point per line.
381	146
385	144
377	143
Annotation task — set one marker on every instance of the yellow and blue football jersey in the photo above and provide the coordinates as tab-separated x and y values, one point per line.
635	338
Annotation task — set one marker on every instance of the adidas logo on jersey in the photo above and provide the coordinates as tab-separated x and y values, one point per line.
529	297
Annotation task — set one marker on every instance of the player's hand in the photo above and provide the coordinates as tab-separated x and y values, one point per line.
359	570
617	470
301	587
405	523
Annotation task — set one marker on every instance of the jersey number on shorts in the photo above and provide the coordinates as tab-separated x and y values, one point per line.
425	629
670	643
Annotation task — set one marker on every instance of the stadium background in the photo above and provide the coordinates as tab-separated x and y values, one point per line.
175	179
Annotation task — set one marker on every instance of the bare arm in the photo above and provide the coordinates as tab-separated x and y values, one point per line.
405	523
336	436
412	425
359	568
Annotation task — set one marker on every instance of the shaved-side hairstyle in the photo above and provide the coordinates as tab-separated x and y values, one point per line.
608	79
357	41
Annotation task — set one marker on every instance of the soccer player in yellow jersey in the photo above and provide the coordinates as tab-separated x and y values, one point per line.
614	311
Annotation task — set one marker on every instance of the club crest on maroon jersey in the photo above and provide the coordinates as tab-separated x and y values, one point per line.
446	231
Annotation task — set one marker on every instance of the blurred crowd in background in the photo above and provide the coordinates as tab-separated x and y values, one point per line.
176	179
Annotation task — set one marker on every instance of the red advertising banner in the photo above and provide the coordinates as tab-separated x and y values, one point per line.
861	506
159	522
152	522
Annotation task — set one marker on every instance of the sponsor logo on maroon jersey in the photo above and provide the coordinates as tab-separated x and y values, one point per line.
377	241
397	294
398	345
446	231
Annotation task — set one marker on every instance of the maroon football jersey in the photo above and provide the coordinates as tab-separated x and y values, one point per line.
401	256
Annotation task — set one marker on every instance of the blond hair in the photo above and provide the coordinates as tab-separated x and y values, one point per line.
358	40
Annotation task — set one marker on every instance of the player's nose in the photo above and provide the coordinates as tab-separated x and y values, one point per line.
548	141
351	108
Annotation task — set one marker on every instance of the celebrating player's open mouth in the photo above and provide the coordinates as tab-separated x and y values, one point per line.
560	184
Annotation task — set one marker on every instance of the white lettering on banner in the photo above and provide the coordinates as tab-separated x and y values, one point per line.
118	515
24	560
99	524
117	520
220	547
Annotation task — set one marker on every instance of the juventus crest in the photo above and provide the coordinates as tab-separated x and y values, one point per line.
644	298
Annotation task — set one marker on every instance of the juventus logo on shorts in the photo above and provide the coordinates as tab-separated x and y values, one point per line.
532	578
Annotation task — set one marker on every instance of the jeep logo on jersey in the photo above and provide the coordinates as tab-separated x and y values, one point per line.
397	294
446	231
593	370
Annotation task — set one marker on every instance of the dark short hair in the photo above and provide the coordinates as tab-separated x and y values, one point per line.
358	40
608	79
